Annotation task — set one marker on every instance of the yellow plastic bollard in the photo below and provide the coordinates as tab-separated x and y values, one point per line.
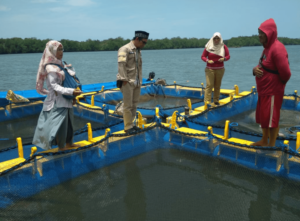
33	150
286	142
90	132
140	120
20	147
174	82
173	120
202	84
226	130
236	90
189	104
157	112
93	100
107	131
210	129
298	141
296	92
102	89
253	87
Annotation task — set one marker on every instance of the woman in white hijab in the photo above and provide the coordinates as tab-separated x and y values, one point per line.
55	123
214	54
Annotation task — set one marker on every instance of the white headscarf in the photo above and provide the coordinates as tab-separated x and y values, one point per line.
216	49
49	56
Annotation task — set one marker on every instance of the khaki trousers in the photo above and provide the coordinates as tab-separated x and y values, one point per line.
213	80
131	95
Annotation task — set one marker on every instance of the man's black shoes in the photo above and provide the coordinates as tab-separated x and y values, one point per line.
134	129
137	128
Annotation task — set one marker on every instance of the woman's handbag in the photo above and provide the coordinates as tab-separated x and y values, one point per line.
69	82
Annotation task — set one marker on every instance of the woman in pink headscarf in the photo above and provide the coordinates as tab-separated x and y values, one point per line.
55	123
215	54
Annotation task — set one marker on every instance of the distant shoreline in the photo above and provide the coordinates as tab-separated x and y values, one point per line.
33	45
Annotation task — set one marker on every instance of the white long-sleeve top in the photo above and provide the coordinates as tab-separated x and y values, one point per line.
56	90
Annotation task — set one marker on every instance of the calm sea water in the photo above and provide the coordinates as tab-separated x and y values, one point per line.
18	71
165	184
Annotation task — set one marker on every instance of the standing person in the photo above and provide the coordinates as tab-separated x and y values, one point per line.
214	54
55	123
130	77
271	75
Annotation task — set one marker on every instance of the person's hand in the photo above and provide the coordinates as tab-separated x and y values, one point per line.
221	60
257	72
124	83
210	61
77	92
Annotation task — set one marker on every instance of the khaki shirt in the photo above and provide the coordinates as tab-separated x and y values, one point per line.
127	70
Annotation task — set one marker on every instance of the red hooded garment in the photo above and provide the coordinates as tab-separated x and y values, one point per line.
275	57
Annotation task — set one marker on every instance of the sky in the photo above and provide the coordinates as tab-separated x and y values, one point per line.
99	20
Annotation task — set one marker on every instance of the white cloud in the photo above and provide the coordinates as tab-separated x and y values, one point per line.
59	9
80	2
4	8
43	1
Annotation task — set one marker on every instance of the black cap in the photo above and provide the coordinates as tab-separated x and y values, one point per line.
141	34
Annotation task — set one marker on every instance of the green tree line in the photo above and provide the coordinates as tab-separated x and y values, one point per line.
33	45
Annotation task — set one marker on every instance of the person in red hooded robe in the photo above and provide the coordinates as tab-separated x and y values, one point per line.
271	75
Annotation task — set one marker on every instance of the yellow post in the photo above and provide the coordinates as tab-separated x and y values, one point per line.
174	82
140	120
90	132
253	87
210	129
173	120
236	90
286	142
296	92
93	100
226	130
189	104
202	84
102	89
206	105
107	131
20	147
298	141
33	150
157	112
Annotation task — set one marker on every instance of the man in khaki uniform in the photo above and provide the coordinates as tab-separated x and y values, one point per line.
129	77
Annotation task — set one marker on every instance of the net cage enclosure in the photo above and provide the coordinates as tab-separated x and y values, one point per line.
168	98
176	170
155	174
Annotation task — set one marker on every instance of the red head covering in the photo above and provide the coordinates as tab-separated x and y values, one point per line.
270	29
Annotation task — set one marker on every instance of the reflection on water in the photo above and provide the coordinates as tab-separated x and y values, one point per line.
148	101
24	127
246	121
165	184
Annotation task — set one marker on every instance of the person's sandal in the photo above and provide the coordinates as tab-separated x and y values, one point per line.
217	103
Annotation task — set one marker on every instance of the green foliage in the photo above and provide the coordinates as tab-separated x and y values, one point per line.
33	45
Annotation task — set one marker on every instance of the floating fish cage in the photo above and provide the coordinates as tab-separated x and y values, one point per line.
168	98
215	131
